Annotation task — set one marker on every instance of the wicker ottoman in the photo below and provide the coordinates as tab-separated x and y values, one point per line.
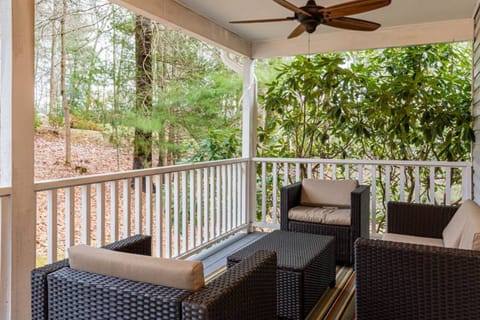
305	269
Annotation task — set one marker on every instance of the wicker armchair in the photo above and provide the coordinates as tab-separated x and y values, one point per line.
409	281
345	235
244	292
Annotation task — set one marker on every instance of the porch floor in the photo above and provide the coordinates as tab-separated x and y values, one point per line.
337	303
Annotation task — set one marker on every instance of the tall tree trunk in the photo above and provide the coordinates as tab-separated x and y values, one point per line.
142	143
53	78
63	62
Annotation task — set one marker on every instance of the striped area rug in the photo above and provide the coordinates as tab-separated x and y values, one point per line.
336	304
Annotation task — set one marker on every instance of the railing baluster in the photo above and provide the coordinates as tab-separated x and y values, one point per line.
158	216
229	198
211	212
69	218
224	199
448	188
417	184
199	207
309	171
52	226
297	173
274	191
218	202
321	171
464	184
244	211
347	171
432	185
402	183
114	224
168	217
176	218
148	206
264	192
373	219
285	173
334	172
138	205
234	196
360	173
184	246
192	237
240	193
100	236
388	185
86	210
126	208
206	212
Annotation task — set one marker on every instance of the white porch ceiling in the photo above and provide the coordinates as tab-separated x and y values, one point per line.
404	22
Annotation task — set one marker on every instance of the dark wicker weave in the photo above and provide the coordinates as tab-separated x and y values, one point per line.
138	244
249	289
406	281
245	291
345	236
305	269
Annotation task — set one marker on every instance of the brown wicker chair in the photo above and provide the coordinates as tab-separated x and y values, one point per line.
345	235
408	281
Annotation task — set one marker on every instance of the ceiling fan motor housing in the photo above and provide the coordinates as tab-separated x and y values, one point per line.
310	22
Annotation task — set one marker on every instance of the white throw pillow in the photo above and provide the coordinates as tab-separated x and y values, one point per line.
471	235
181	274
455	228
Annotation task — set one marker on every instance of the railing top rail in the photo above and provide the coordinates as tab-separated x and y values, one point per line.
462	164
5	192
107	177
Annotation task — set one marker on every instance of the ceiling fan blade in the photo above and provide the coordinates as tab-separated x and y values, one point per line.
353	7
297	31
263	20
352	24
292	7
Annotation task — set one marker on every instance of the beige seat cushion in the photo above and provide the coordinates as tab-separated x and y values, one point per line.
412	239
181	274
452	233
471	234
338	217
336	193
327	215
309	214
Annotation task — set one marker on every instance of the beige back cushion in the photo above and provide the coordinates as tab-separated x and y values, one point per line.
453	231
181	274
327	192
471	234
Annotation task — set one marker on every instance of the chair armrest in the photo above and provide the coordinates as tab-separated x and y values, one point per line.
289	198
422	220
360	212
407	281
138	244
247	290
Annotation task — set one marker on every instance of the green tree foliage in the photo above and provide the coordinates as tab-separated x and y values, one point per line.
400	103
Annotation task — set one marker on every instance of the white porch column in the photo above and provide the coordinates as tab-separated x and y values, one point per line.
476	106
16	138
249	133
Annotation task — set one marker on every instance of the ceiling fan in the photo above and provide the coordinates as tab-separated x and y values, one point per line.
311	15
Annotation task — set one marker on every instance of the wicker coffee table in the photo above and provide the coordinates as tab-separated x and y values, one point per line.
305	269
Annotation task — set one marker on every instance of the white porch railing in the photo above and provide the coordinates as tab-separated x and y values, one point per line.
413	181
5	196
185	208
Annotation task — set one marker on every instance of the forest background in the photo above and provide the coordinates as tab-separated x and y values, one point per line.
166	98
